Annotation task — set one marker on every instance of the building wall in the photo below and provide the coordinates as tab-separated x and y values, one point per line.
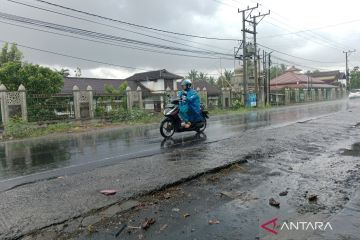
154	85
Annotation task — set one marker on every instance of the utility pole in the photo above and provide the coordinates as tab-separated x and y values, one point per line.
347	54
256	76
254	22
268	79
264	76
244	57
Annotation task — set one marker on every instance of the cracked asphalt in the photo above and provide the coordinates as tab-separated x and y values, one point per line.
225	177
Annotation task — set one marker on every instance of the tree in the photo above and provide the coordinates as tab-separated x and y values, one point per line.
193	75
64	72
77	72
202	76
355	78
12	55
225	79
211	80
277	70
112	90
35	78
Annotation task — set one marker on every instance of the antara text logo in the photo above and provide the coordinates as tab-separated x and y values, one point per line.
272	226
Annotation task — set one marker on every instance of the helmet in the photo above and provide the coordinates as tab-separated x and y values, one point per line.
187	83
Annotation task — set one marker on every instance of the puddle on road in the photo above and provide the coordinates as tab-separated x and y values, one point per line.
353	152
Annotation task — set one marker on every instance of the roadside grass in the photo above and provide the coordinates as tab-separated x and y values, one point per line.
18	129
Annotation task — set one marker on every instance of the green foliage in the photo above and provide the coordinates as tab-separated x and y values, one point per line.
16	128
64	72
110	89
276	71
35	78
225	79
237	104
12	55
355	78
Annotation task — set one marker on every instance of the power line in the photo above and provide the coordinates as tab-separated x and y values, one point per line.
297	64
133	24
289	55
103	24
312	29
113	44
313	33
74	57
330	43
102	36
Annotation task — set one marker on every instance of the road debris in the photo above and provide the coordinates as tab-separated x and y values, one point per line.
120	230
312	197
108	192
284	193
167	195
212	222
186	215
175	210
91	229
163	227
147	223
274	203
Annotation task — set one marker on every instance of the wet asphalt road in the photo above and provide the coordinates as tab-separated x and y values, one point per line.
303	148
43	158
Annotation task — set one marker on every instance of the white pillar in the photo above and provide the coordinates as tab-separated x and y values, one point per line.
4	107
76	94
22	91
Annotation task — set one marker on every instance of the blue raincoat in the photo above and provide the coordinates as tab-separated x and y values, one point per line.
190	108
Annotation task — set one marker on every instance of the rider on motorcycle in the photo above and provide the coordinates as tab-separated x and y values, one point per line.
189	106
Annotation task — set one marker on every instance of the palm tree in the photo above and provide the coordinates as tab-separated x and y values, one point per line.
193	75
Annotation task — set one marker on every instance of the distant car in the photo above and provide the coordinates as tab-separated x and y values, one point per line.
355	93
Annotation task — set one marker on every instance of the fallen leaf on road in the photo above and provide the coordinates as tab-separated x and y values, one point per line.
91	229
163	227
284	193
186	215
274	203
211	222
108	192
147	223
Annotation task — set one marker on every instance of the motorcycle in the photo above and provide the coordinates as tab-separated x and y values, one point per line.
172	122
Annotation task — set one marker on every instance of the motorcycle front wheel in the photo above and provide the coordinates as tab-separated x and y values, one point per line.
167	128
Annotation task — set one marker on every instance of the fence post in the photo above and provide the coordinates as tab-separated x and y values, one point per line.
297	95
226	98
89	90
4	107
76	94
22	92
129	99
139	92
287	96
204	97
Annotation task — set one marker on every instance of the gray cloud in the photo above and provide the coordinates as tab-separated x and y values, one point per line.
202	17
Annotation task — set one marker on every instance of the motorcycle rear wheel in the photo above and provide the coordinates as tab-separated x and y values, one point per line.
167	128
202	129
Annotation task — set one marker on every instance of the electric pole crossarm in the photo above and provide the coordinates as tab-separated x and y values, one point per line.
248	8
260	15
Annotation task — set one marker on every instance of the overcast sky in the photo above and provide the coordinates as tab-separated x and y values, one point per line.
335	23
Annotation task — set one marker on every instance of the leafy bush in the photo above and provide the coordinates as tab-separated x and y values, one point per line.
237	104
123	115
16	128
